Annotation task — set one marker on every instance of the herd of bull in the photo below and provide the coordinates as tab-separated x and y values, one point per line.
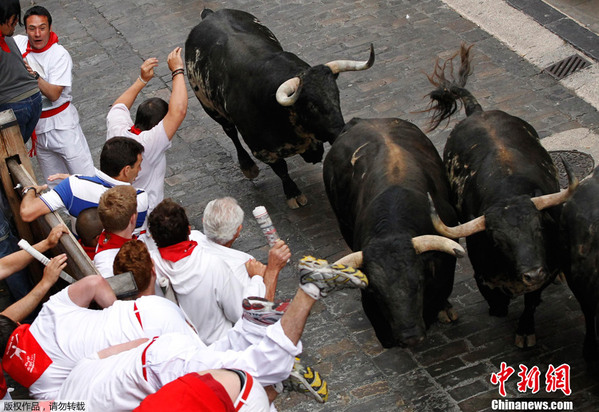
397	202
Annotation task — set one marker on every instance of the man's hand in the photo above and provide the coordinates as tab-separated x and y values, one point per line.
278	255
52	271
147	69
55	235
58	176
255	268
174	59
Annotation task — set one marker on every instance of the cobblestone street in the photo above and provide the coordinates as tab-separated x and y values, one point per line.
109	39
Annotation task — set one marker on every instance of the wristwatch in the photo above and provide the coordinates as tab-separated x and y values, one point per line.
36	75
27	189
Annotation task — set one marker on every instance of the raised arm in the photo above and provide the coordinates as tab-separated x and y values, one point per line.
146	74
177	105
23	307
278	255
92	288
19	260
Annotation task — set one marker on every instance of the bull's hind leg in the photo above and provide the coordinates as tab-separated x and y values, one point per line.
247	164
525	333
295	198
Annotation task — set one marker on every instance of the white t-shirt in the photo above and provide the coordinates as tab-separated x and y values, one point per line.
57	66
155	143
206	288
235	259
69	333
118	383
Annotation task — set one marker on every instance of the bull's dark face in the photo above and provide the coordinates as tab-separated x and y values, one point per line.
318	110
393	299
517	234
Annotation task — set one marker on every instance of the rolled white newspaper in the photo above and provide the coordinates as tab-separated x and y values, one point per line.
23	244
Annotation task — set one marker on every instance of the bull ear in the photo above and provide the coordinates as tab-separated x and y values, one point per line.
427	243
466	229
338	66
353	259
288	91
554	199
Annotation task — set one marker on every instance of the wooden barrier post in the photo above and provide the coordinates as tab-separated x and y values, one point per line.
16	168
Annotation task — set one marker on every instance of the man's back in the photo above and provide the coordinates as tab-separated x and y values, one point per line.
206	288
68	333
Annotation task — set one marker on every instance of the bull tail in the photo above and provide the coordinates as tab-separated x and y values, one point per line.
206	12
450	91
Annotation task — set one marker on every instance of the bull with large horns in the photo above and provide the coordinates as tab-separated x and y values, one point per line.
505	189
278	103
377	175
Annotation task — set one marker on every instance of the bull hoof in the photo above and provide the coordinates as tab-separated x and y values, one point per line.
296	202
447	315
525	341
251	172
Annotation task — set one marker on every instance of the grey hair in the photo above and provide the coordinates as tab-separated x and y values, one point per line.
221	219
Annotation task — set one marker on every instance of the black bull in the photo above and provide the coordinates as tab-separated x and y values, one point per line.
377	175
503	183
579	230
279	104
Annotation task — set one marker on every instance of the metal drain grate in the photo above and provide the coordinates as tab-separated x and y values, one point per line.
566	67
582	164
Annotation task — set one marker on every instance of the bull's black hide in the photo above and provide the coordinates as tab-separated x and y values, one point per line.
579	228
377	175
278	103
497	168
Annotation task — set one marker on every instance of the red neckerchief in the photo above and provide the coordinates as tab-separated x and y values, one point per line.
135	130
109	240
89	250
3	44
177	251
53	39
24	359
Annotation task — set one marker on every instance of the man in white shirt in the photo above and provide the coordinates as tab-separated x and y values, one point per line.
58	139
223	222
206	288
155	124
119	378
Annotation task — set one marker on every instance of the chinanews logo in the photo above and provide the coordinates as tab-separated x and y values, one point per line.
556	379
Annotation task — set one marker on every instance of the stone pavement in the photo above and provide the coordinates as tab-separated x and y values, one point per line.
451	370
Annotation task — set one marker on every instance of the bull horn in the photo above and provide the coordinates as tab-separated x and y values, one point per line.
425	243
288	91
338	66
554	199
466	229
353	259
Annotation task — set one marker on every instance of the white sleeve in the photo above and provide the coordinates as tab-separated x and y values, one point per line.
118	121
229	292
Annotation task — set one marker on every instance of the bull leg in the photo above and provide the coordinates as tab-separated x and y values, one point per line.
525	333
314	153
497	300
295	198
246	163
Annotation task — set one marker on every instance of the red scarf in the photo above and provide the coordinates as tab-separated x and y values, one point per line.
53	39
178	251
135	130
109	240
24	359
3	44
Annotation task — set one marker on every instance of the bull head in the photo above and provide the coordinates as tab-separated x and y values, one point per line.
289	91
478	224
